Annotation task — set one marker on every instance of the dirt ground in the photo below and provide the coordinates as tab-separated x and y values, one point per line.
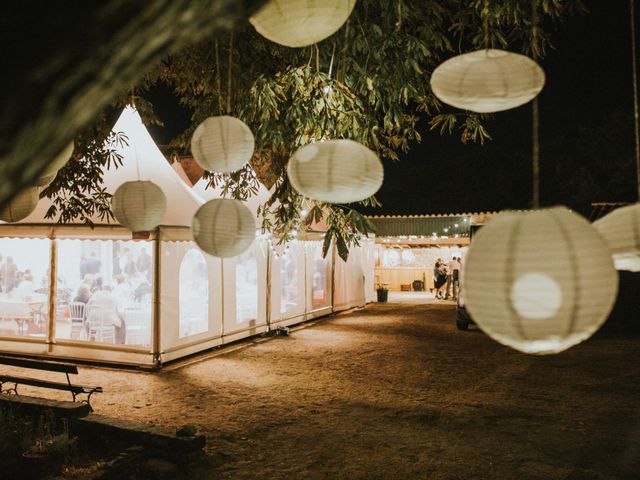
394	391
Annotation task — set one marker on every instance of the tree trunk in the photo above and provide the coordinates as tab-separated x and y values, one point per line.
63	62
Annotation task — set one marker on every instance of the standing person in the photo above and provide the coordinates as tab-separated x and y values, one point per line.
143	264
92	264
9	270
440	277
453	278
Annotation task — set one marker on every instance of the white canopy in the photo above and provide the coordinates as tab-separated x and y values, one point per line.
141	160
177	167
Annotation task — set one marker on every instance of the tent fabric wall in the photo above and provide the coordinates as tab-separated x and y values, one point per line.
288	286
349	281
245	293
318	280
176	326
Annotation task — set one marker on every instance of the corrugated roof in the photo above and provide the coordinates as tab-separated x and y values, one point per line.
448	225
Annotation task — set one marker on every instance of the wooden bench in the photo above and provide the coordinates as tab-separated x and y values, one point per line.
12	381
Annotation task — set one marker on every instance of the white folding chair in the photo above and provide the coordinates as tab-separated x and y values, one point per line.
101	328
77	316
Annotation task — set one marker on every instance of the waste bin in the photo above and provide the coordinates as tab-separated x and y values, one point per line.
383	294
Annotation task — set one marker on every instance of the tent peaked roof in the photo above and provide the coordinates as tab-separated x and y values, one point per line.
177	167
141	160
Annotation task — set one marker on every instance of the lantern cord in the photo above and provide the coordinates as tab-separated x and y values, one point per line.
317	58
229	77
135	149
333	53
535	117
635	92
485	23
218	79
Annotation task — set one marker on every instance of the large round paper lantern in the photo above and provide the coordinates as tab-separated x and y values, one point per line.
300	23
335	171
223	227
22	205
540	281
487	80
621	232
222	144
139	205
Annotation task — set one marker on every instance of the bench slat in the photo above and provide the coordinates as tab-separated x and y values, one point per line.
34	382
39	364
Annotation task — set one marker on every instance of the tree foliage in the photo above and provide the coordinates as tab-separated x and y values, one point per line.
368	82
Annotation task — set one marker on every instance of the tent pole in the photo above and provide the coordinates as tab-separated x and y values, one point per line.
53	280
222	298
268	302
155	347
333	277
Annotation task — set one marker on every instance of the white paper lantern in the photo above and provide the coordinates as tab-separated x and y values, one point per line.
300	23
22	205
540	281
59	161
139	205
487	80
224	227
222	144
621	232
335	171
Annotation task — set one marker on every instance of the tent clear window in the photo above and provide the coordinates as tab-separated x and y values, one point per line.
24	284
246	288
194	294
105	291
321	280
288	283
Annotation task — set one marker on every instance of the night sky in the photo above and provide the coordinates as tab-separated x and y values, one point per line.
586	134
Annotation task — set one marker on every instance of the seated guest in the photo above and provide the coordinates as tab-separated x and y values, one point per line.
104	302
83	294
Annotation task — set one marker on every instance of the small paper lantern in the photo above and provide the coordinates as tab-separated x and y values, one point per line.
222	144
621	232
59	161
22	205
335	171
139	205
487	80
540	281
223	227
300	23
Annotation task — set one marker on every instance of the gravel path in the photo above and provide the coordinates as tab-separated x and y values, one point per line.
394	391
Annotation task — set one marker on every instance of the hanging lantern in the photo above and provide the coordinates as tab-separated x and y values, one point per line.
139	205
60	161
621	232
487	80
300	23
223	227
222	144
335	171
540	281
22	205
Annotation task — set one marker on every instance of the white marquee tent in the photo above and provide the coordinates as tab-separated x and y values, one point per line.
72	291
